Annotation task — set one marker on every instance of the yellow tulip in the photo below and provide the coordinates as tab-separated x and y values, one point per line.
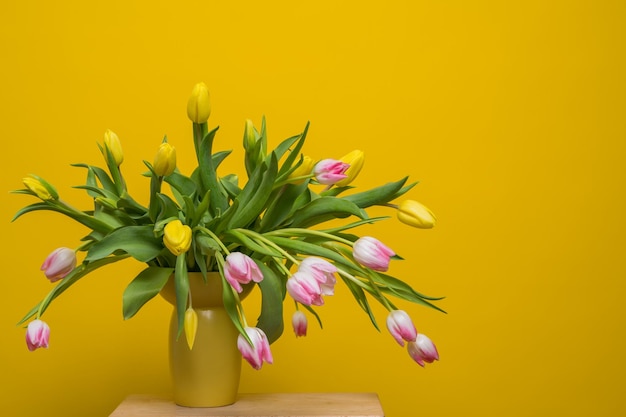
190	324
199	105
415	214
177	237
112	143
355	159
165	160
305	168
42	189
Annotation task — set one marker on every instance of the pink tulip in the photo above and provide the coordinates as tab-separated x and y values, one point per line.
299	322
59	263
423	350
259	351
401	327
330	171
322	270
37	335
305	289
241	269
372	253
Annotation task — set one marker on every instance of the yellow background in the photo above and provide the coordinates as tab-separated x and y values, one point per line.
511	114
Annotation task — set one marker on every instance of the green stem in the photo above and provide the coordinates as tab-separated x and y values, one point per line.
295	231
269	243
214	236
220	264
199	130
291	181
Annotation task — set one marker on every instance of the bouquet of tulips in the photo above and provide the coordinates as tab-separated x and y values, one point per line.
267	232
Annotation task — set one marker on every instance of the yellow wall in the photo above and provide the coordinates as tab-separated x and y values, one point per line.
510	113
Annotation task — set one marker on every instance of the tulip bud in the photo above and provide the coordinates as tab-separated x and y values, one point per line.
299	322
241	269
165	160
401	327
37	335
190	324
177	237
304	169
355	159
249	136
415	214
59	263
199	105
372	253
259	351
330	171
112	143
423	350
40	188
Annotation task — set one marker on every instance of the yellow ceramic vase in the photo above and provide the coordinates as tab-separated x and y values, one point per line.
208	374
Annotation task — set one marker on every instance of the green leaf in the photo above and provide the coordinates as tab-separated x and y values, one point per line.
143	288
361	299
338	229
80	217
102	176
230	305
273	292
168	208
378	195
311	249
183	184
230	185
404	291
208	174
294	153
218	157
324	209
97	192
138	241
201	210
282	203
251	244
69	280
253	198
181	282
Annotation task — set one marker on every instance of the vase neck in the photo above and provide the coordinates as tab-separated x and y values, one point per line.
203	293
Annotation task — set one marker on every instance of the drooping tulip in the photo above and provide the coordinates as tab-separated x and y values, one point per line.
355	159
113	144
37	335
199	104
241	269
300	323
177	237
190	324
59	263
40	188
305	289
423	350
372	253
415	214
259	351
322	270
330	171
165	160
401	327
